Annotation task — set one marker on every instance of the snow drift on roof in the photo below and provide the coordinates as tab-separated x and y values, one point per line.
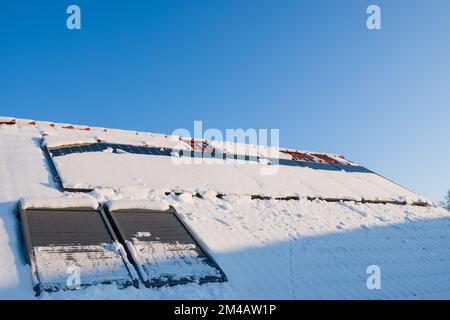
55	138
114	205
53	141
58	202
93	170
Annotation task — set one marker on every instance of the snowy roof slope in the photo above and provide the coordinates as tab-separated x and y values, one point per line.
91	170
268	248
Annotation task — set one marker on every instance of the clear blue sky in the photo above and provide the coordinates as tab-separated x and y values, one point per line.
309	68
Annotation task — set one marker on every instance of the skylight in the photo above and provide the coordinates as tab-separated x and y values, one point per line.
162	248
78	241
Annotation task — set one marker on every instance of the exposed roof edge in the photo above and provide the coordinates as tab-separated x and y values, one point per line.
67	126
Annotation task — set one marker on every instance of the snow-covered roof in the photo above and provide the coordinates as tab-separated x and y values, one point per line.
305	230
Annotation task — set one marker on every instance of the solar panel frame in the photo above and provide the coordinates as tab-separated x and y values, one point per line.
123	236
348	168
318	166
31	240
158	151
126	148
56	152
165	151
52	168
140	149
161	151
102	146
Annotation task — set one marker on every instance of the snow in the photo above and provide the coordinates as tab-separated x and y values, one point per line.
310	250
185	197
55	138
296	249
94	264
58	202
251	150
157	172
143	234
23	172
161	262
114	205
267	248
53	141
264	161
93	170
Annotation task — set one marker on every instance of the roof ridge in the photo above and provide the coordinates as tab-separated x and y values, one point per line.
69	126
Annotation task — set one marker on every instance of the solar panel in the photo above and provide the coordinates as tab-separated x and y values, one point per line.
298	159
348	168
140	150
73	241
102	146
163	249
125	148
318	166
165	152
